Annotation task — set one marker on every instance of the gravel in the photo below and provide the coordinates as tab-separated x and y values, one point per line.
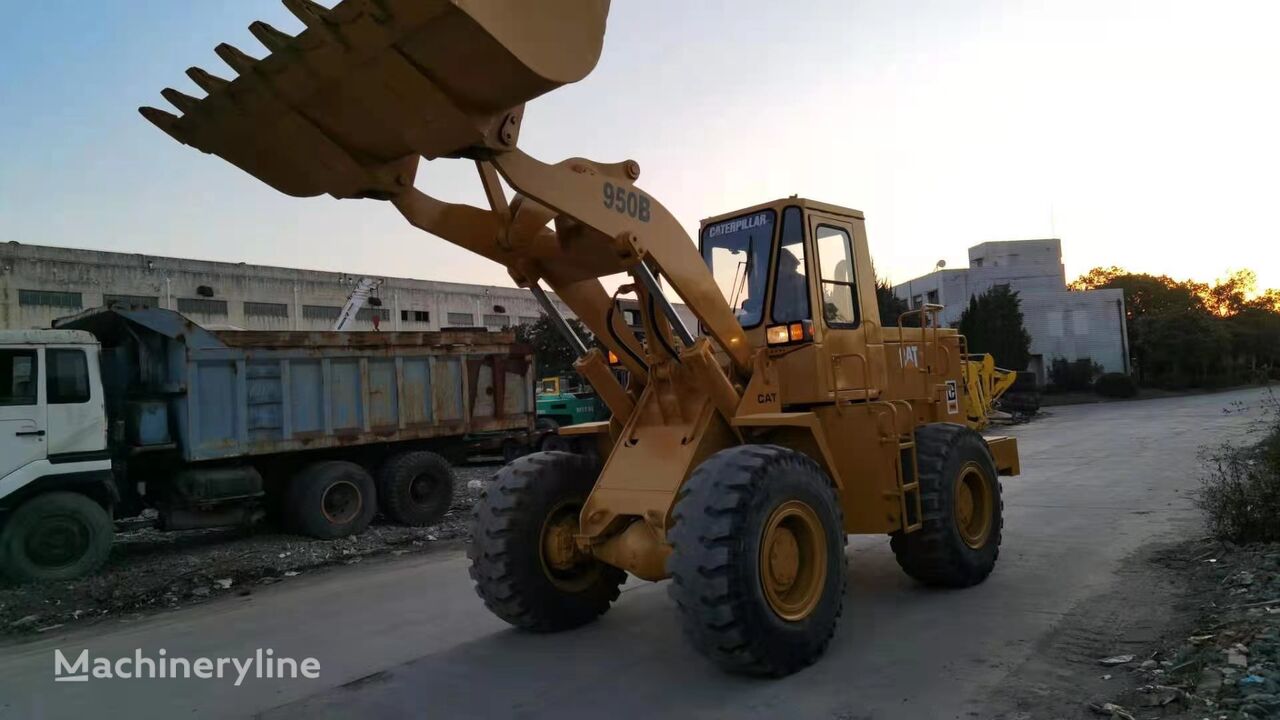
1228	667
151	570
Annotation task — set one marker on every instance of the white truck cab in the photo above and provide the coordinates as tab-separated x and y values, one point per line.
56	484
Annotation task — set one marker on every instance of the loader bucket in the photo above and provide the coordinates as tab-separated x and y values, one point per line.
347	106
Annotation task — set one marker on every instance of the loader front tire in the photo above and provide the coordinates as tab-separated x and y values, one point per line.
524	561
962	510
757	562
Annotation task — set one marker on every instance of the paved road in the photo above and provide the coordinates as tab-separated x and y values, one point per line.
409	637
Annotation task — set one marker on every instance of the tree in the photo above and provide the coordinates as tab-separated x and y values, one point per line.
993	324
550	349
891	306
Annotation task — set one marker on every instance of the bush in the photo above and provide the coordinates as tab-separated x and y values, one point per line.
1116	385
1240	492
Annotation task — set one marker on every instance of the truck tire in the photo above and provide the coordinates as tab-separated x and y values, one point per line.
332	499
757	562
553	441
962	510
55	536
523	560
415	488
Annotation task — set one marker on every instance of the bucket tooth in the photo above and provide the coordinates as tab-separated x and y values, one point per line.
235	58
182	101
311	14
271	38
164	120
207	81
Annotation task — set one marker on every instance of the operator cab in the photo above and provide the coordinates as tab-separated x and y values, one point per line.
798	277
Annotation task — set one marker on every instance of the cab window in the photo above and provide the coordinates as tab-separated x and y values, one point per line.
790	288
737	253
839	279
67	376
17	377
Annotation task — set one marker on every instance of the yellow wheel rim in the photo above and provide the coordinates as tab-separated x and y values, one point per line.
793	560
974	505
567	567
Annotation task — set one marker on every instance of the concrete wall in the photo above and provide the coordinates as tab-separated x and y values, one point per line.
252	297
62	281
1062	323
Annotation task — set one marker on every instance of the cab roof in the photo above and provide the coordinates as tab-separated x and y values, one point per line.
804	203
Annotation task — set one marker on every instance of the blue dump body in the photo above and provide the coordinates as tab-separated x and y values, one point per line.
226	394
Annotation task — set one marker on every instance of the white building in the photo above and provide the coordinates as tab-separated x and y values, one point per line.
39	283
1063	323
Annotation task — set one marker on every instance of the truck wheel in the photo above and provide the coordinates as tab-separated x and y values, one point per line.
962	510
552	441
757	562
524	561
332	499
415	488
55	536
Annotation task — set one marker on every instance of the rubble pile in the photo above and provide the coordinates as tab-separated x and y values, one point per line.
151	570
1228	667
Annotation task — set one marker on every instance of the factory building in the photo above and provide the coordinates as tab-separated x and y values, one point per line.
1063	323
40	283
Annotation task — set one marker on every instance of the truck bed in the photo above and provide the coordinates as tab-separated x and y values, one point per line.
227	394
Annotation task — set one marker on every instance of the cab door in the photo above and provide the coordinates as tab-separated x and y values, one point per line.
74	407
22	410
845	325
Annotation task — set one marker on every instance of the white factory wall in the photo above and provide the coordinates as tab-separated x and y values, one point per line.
1062	323
251	297
40	283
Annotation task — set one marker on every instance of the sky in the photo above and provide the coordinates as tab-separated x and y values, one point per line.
1144	134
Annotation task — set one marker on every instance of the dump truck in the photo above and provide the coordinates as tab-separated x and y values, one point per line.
115	411
737	459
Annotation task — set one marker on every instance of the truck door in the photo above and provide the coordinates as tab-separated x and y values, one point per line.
22	415
73	393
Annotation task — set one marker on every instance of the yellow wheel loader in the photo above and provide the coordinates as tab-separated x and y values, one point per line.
740	452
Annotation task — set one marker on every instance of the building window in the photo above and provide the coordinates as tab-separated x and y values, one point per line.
420	316
631	318
458	319
17	377
67	378
202	306
130	301
320	312
528	320
1080	322
933	297
266	309
366	314
497	322
917	301
50	298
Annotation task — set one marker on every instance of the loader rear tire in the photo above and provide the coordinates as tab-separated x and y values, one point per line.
757	563
955	548
523	559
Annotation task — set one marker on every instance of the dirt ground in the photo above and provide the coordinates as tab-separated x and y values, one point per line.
1190	631
151	570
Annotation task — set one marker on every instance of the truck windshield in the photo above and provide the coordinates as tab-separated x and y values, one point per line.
737	253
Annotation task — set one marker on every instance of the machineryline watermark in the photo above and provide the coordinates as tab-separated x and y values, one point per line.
263	664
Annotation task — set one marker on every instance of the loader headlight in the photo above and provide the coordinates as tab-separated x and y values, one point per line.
796	332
